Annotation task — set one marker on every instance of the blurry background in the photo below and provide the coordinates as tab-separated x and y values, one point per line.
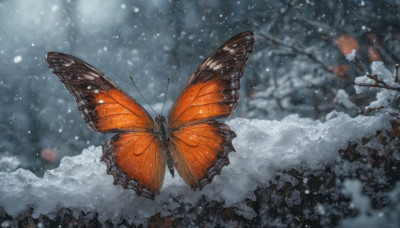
296	68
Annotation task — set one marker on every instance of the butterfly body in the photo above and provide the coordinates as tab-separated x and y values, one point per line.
162	131
190	139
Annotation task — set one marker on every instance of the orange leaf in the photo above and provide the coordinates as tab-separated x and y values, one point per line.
373	38
373	54
341	71
346	43
49	155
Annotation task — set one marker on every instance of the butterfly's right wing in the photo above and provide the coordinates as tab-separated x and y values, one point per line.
212	92
199	143
104	105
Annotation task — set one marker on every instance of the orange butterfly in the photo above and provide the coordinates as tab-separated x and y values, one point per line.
190	139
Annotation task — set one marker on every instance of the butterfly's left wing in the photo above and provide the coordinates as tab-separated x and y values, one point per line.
200	144
135	156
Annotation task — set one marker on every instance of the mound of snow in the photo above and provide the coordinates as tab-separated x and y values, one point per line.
263	146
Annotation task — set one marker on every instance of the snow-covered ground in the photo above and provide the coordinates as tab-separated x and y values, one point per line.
262	147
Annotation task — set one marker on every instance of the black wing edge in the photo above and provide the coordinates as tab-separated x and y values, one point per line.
222	157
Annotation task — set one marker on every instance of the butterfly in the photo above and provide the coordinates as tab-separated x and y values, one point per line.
189	140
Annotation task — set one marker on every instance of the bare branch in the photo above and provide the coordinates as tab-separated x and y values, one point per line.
373	109
386	86
299	51
359	65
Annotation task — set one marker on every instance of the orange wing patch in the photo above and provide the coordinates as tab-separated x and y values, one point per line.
200	151
114	111
137	161
203	101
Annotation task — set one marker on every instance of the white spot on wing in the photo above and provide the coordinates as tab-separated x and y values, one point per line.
231	50
217	66
69	63
90	77
212	65
207	63
93	74
101	101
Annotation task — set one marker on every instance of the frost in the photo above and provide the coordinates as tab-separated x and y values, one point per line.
262	147
245	211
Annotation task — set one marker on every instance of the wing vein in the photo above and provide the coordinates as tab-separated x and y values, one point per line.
124	106
190	105
199	151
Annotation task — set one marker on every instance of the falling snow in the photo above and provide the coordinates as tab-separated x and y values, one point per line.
296	108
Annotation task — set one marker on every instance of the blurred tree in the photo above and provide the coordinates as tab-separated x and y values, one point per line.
297	57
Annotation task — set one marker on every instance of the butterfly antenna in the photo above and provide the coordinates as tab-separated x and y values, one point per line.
165	98
130	76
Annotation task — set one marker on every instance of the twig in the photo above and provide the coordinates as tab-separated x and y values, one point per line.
298	50
359	65
373	109
378	83
278	101
386	86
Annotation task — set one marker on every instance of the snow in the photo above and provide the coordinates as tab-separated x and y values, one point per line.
54	8
343	98
350	57
263	147
8	163
378	68
17	59
384	97
367	216
362	80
